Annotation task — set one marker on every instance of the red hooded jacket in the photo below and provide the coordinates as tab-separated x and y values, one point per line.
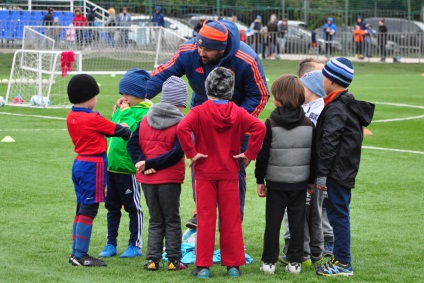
218	130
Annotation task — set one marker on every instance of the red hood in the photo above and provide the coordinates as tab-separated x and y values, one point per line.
222	115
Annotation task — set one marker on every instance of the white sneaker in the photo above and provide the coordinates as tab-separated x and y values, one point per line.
294	267
268	267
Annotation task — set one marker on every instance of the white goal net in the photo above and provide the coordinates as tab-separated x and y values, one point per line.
37	67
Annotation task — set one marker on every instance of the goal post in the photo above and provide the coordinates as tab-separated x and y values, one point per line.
39	73
37	70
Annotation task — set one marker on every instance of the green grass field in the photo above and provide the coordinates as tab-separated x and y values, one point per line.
37	200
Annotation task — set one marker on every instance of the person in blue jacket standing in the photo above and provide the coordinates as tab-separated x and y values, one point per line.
217	45
329	31
158	17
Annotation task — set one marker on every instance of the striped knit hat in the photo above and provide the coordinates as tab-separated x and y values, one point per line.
174	91
213	35
340	71
134	83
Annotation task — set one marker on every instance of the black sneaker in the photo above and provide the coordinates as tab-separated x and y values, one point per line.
192	222
87	260
152	265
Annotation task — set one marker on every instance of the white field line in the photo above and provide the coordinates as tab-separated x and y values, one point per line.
399	119
393	149
31	130
35	116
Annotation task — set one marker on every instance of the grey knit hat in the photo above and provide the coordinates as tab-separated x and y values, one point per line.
220	83
174	91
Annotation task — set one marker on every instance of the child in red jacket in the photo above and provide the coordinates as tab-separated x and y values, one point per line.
218	126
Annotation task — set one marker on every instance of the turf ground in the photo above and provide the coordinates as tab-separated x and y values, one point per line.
37	200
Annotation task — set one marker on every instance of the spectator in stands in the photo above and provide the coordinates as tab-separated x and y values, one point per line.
91	18
234	18
48	18
124	22
382	39
79	21
111	23
56	29
48	22
362	26
256	27
272	32
264	40
329	31
198	26
70	36
359	41
283	28
158	17
370	33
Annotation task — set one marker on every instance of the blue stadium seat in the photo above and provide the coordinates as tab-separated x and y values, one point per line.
26	15
15	13
4	14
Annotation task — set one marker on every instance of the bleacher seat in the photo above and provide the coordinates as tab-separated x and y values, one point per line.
4	14
15	13
26	15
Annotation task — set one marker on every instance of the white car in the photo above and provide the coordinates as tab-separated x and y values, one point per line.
176	26
193	19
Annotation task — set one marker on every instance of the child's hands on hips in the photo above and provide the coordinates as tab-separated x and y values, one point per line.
197	157
243	158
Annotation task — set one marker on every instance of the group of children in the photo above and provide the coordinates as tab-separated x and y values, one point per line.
294	159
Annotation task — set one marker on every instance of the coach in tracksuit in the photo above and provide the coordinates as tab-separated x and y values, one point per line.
218	45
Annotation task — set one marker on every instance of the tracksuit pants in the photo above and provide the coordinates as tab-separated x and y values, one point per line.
225	193
123	189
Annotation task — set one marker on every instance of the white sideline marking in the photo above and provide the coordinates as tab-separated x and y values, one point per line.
398	119
31	130
393	149
36	116
400	104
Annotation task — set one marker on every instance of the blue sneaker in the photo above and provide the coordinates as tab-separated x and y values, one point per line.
328	248
108	251
334	268
132	251
201	272
233	271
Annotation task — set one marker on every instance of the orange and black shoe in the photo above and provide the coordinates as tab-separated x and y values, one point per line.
152	265
176	265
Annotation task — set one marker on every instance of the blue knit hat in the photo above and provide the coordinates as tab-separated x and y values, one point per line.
134	83
340	71
174	91
213	35
313	82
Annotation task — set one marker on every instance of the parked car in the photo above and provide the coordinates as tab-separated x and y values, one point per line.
408	35
193	19
345	37
299	39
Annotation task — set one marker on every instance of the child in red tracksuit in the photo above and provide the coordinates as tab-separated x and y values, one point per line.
218	126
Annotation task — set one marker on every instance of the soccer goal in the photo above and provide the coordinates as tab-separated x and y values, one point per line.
37	78
37	68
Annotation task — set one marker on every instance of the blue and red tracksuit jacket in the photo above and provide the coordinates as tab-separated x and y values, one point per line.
250	90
